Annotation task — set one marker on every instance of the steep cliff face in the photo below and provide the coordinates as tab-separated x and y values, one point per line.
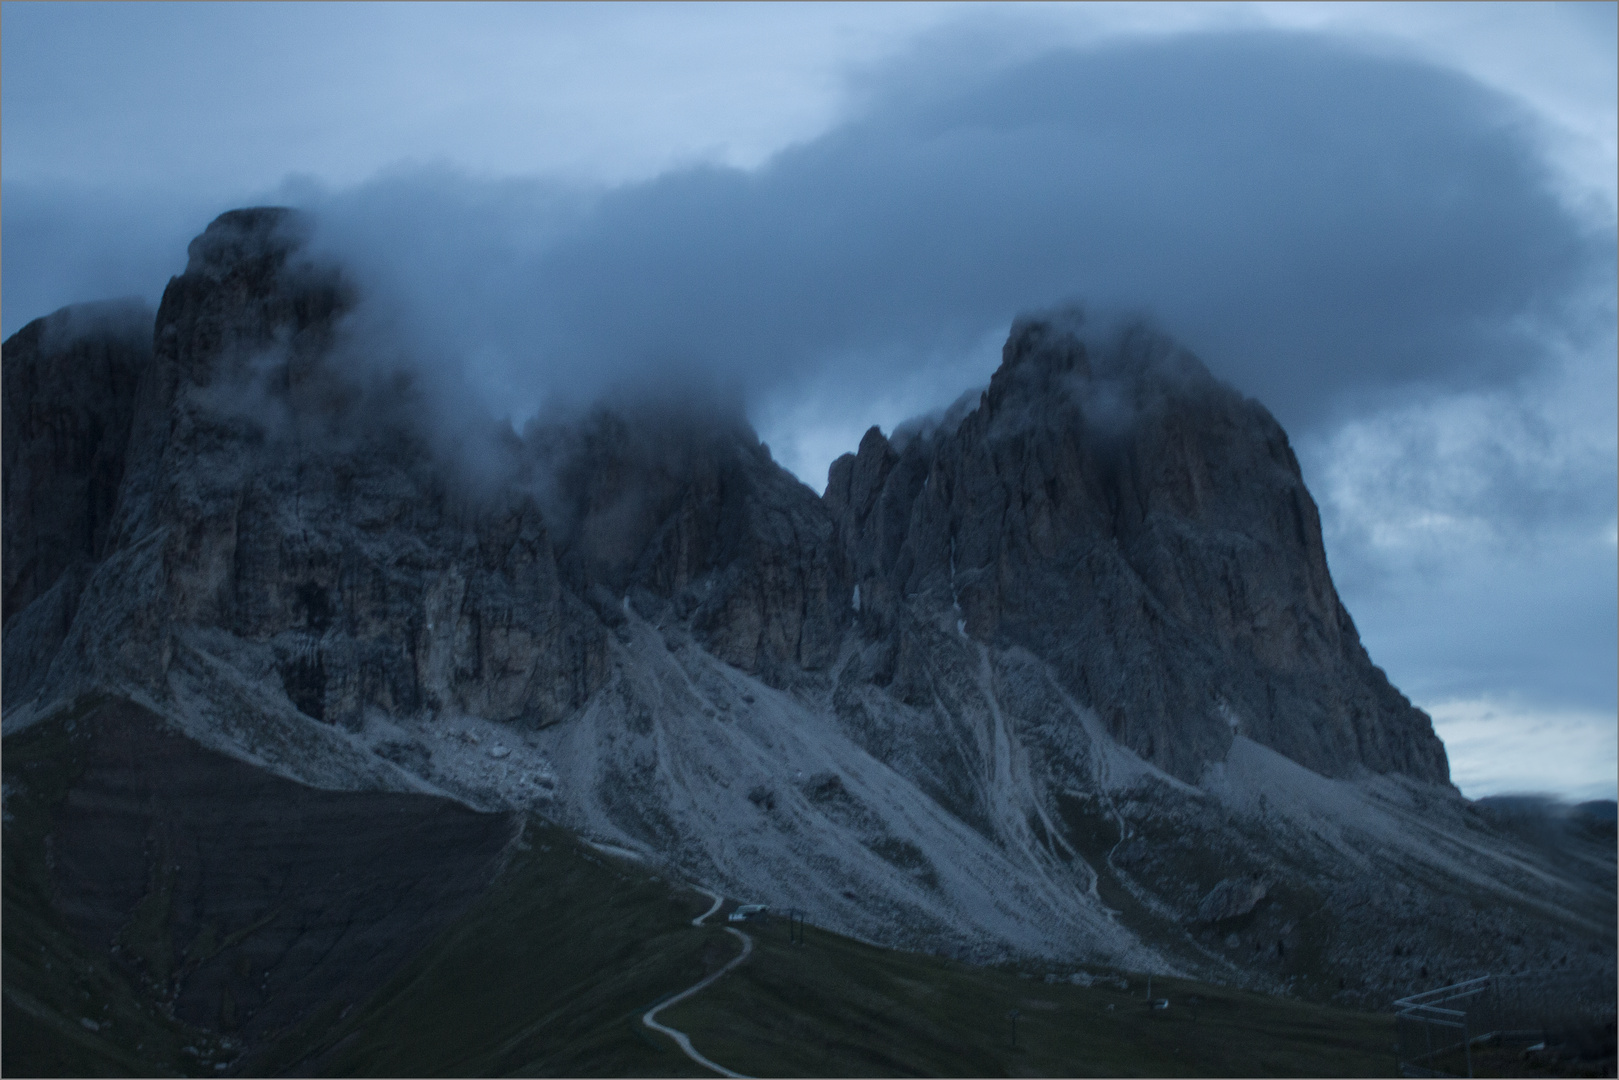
276	485
1146	531
685	512
68	399
272	496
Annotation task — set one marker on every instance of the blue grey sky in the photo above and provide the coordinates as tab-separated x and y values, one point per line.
1392	224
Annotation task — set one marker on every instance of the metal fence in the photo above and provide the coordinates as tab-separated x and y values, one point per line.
1504	1025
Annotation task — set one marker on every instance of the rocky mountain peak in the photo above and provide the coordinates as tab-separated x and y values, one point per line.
1043	345
1114	510
251	242
1103	382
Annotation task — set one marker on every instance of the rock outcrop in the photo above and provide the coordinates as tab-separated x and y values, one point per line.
687	512
68	400
1145	530
279	490
1116	512
1231	899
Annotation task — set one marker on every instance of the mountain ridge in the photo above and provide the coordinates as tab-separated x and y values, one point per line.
1039	678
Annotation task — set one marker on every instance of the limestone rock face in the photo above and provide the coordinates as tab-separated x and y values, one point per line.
687	513
1143	528
274	497
259	473
277	492
68	399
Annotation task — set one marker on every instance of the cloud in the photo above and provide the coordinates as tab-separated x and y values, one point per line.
1370	245
1507	468
1321	224
1325	227
1473	535
238	95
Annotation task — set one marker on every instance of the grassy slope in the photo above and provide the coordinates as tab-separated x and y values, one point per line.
539	976
547	975
52	982
550	974
836	1007
551	970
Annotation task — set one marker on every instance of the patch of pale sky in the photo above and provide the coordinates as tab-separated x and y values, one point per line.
1453	619
1473	538
609	94
809	424
1500	746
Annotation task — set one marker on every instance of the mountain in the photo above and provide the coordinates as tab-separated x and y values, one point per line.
1058	673
1145	532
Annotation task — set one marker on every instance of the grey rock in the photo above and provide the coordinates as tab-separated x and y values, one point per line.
68	400
688	511
1112	508
1231	898
272	485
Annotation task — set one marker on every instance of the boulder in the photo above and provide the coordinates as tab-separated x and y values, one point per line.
1231	898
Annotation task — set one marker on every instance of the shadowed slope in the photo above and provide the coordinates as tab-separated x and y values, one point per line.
241	901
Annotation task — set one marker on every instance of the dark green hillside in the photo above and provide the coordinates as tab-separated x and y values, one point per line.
149	931
550	975
836	1007
66	1011
170	911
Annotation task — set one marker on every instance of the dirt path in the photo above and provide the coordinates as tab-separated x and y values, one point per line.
649	1018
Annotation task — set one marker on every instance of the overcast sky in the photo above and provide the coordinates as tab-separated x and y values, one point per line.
1393	225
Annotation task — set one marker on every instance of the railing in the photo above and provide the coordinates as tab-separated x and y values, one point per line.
1434	1012
1440	1031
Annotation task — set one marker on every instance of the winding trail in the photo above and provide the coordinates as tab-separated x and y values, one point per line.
649	1018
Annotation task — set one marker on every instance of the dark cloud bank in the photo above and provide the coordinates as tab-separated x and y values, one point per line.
1319	224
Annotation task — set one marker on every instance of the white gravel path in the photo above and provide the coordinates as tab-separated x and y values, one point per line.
649	1018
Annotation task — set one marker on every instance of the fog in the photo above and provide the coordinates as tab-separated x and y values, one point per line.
1327	229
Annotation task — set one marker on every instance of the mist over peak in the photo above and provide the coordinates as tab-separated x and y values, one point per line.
1413	247
443	534
127	319
1377	243
238	238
